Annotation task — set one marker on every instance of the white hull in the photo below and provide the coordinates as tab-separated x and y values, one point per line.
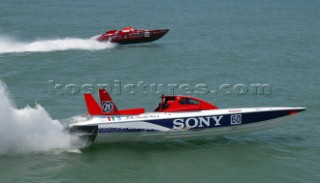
186	125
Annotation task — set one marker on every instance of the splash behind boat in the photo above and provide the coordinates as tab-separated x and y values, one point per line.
176	117
129	35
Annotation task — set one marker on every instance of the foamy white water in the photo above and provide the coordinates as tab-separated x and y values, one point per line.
30	129
11	45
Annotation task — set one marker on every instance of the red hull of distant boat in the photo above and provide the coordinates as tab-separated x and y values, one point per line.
131	36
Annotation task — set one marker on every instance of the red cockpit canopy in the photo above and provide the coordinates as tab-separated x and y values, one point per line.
183	103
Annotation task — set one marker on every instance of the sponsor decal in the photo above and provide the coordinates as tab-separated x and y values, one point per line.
235	110
206	121
114	118
107	107
197	122
147	34
135	35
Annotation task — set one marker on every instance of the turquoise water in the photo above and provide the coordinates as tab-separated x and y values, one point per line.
210	42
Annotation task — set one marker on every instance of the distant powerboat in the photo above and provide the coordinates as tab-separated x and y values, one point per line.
129	35
176	117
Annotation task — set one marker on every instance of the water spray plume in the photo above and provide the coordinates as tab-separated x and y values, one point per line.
10	45
30	129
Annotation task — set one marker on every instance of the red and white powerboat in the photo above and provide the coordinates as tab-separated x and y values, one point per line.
129	35
176	117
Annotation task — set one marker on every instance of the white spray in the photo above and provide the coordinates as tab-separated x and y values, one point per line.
10	45
29	129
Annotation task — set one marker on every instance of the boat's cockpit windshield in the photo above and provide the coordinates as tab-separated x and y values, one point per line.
185	101
165	103
182	103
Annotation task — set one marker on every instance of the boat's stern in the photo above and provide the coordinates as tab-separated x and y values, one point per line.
107	35
87	133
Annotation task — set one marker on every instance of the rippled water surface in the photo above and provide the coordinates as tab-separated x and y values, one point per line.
43	43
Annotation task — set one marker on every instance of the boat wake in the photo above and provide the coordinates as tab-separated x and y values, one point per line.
31	129
11	45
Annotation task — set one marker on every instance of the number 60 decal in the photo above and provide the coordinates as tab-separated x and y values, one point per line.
236	119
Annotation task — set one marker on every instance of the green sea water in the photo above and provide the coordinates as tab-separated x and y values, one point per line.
214	43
